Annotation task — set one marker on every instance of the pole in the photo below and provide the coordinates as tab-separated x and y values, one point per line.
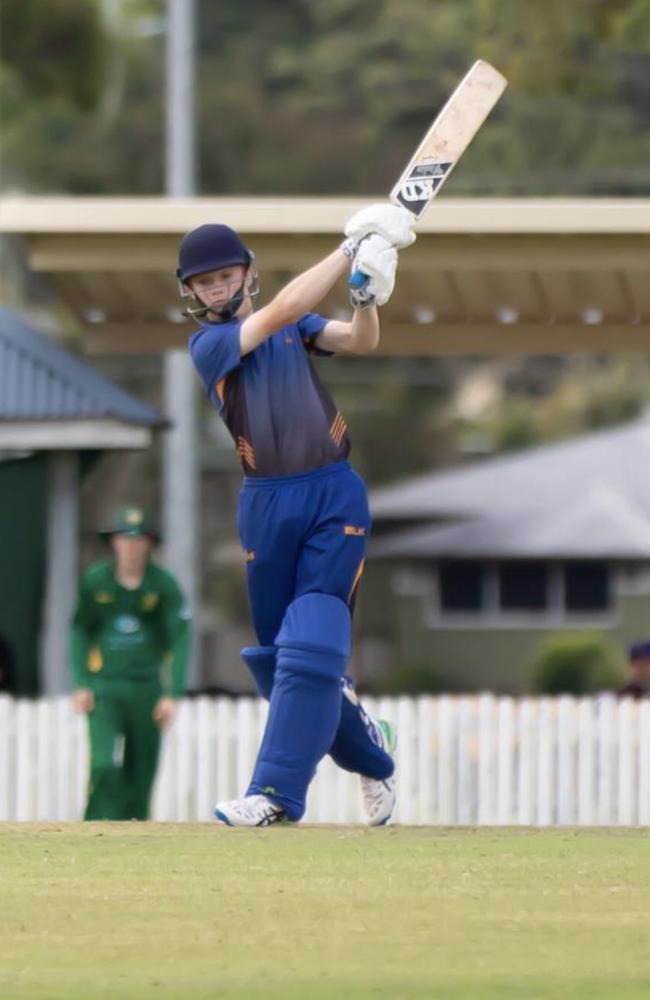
181	473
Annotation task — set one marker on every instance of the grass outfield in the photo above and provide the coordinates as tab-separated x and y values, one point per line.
196	911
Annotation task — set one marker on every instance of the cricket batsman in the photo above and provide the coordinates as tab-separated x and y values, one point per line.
303	516
130	644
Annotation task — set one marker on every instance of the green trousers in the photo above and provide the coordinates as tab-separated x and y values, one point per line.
124	748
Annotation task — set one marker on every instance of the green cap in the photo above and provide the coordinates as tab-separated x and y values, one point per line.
132	521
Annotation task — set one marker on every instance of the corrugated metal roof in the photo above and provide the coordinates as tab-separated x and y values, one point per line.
584	498
40	381
602	526
538	479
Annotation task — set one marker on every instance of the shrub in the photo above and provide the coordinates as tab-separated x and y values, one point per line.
517	427
577	664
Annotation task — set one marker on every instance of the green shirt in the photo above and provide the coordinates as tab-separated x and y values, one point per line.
121	634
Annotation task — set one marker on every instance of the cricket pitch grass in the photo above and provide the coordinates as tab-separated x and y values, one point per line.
197	911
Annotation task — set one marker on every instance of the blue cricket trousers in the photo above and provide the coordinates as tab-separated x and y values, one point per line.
307	534
302	534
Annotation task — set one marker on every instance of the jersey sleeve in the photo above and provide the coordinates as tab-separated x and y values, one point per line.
309	326
83	626
216	351
176	626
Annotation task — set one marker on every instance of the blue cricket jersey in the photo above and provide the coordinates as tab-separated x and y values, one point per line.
282	419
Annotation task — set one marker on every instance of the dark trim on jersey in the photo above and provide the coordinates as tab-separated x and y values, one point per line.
231	393
235	417
332	414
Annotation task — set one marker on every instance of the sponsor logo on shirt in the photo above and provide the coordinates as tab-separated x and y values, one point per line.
126	624
249	555
353	529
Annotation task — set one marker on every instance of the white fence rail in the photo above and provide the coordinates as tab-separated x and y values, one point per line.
461	760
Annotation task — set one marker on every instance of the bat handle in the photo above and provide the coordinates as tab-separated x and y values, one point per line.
357	279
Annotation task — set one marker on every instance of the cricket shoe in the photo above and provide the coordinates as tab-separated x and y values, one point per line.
379	794
252	810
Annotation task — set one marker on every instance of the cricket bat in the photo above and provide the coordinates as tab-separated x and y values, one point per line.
448	137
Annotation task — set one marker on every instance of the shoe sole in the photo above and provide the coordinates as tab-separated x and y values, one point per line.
222	817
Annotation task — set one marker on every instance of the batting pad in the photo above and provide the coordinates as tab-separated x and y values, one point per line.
313	646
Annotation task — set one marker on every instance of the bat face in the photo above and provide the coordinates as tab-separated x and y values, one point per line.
445	142
415	190
448	137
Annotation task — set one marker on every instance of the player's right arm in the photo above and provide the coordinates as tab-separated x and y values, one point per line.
300	296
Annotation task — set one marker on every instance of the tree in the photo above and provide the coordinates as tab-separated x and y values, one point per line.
308	97
40	32
81	109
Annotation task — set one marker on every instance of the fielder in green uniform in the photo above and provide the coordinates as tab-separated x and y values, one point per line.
130	643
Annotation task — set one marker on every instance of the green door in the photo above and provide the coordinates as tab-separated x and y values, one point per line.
23	484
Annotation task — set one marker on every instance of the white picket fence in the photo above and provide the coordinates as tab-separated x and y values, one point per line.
461	760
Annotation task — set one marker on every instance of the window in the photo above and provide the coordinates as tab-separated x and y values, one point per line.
523	586
520	592
586	586
461	585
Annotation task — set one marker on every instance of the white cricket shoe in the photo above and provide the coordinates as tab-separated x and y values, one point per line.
252	810
379	795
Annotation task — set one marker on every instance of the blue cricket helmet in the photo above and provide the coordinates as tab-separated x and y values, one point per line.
208	248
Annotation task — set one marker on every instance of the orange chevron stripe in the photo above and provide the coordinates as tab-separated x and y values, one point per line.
340	431
338	428
335	422
246	452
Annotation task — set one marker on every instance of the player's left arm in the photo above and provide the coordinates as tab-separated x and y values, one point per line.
176	627
177	630
360	335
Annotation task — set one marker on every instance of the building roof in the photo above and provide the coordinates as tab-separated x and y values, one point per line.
275	214
486	275
51	399
40	381
584	498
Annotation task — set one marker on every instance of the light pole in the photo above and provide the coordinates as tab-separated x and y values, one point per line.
181	473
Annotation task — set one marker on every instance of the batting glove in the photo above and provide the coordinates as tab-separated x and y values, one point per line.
377	260
392	222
